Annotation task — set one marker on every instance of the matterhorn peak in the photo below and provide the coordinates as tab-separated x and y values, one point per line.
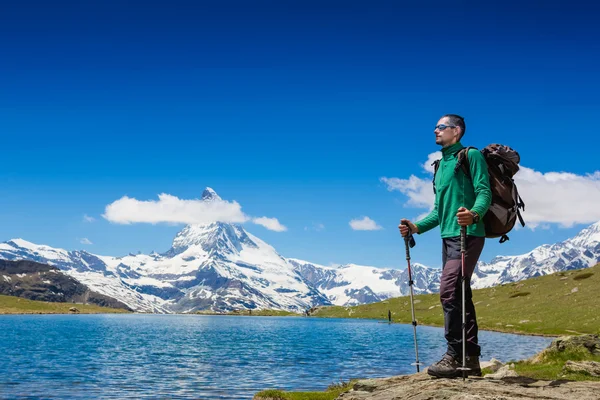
210	195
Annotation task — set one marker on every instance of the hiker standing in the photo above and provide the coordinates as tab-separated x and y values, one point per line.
460	201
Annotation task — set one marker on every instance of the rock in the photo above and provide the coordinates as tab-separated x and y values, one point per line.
587	367
583	343
73	310
502	373
493	365
590	343
422	387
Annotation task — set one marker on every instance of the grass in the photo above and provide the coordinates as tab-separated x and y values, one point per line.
552	368
564	303
18	305
332	392
549	365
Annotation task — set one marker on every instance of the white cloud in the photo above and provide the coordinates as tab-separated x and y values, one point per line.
85	241
173	210
270	223
87	218
364	224
550	198
430	159
559	197
419	191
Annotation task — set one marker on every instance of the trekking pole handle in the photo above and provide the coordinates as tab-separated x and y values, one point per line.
409	240
463	239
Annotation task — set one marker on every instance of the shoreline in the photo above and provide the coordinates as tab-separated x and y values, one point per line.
480	329
63	313
512	332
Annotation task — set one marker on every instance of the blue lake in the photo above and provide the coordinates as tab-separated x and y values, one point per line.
211	357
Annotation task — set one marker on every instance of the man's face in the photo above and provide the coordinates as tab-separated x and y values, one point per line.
446	136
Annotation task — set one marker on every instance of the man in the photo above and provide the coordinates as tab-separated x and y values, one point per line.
459	201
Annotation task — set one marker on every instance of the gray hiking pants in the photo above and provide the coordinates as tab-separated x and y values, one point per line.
451	294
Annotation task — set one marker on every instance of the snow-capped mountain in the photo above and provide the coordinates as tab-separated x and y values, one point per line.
34	281
222	267
110	276
581	251
353	284
209	267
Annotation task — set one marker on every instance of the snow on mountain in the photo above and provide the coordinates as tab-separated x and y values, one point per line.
217	267
210	195
581	251
353	284
221	267
104	275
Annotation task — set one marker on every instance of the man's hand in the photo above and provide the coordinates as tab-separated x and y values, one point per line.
404	229
464	217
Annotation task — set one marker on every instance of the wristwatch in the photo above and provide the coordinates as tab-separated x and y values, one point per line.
475	217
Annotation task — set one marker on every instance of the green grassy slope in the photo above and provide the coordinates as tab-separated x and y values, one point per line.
18	305
561	303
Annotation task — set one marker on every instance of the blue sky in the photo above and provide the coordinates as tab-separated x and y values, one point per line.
295	110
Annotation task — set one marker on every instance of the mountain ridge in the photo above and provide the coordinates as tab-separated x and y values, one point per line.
41	282
222	267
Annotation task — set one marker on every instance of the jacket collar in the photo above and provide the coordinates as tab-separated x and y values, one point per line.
452	150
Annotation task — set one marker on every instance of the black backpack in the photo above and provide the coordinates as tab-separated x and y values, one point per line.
503	164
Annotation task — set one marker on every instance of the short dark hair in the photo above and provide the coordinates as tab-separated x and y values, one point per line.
458	121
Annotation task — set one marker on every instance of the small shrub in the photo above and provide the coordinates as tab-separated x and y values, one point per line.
519	294
271	394
583	276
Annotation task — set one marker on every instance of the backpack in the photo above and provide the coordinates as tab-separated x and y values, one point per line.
503	164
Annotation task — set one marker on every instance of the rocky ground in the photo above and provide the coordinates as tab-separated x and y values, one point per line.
503	384
422	387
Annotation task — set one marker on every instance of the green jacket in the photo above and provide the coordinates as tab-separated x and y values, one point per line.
457	190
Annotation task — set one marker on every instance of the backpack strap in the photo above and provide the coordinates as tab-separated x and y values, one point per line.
436	165
518	204
463	161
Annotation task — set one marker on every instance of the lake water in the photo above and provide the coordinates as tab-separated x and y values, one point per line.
211	357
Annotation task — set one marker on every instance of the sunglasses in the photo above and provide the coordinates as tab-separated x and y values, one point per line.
441	127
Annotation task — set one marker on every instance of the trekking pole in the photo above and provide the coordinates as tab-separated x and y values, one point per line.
409	241
463	246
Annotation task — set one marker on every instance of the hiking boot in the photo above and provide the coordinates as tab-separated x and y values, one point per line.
473	364
448	367
445	368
